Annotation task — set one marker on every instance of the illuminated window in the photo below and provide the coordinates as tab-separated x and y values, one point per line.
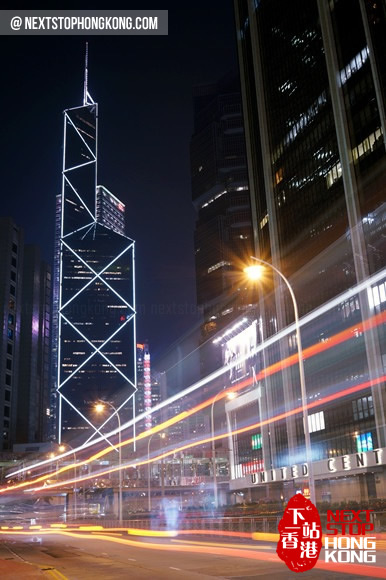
377	295
334	174
349	307
366	145
354	65
218	265
279	176
364	442
257	441
213	199
264	221
363	408
316	422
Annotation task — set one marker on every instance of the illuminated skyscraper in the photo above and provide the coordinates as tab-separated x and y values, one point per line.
313	77
110	212
148	393
97	347
143	399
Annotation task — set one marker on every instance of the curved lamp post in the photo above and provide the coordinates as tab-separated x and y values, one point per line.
254	273
230	395
99	408
162	436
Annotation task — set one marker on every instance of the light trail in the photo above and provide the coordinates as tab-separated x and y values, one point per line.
365	285
242	551
197	443
221	544
308	352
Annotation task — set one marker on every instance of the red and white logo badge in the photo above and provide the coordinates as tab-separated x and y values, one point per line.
300	535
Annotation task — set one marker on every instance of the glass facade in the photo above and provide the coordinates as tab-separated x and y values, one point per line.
223	233
97	312
313	101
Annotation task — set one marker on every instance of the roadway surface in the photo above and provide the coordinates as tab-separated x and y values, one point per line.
73	556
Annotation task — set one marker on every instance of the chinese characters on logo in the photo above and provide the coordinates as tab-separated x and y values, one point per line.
300	535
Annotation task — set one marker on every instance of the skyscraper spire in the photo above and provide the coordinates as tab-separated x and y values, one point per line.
85	88
111	373
87	98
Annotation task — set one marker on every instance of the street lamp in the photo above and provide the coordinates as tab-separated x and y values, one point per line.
162	436
99	408
62	448
255	273
230	395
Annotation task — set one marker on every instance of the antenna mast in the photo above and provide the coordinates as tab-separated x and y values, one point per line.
85	89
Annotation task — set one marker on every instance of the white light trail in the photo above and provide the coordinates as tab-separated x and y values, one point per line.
219	372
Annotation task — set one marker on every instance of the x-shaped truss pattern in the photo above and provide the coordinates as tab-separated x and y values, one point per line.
97	289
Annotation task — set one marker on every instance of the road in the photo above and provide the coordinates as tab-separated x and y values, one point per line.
74	556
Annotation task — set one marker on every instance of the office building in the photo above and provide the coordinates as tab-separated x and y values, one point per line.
148	393
25	297
313	102
35	342
143	396
314	112
110	212
97	347
220	193
12	249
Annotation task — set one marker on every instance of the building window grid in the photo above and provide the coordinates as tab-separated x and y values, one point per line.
377	295
316	422
363	408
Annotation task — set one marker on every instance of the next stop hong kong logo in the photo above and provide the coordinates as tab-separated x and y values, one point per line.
345	541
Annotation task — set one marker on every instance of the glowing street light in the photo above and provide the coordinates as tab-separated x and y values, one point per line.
162	436
100	408
231	395
256	272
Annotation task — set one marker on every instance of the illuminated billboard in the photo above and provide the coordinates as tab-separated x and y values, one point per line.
239	348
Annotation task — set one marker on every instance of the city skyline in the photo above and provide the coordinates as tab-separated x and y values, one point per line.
145	130
257	182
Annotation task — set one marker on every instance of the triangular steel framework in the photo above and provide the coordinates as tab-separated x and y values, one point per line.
97	317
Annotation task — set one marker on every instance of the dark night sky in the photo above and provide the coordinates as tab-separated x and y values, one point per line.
144	89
